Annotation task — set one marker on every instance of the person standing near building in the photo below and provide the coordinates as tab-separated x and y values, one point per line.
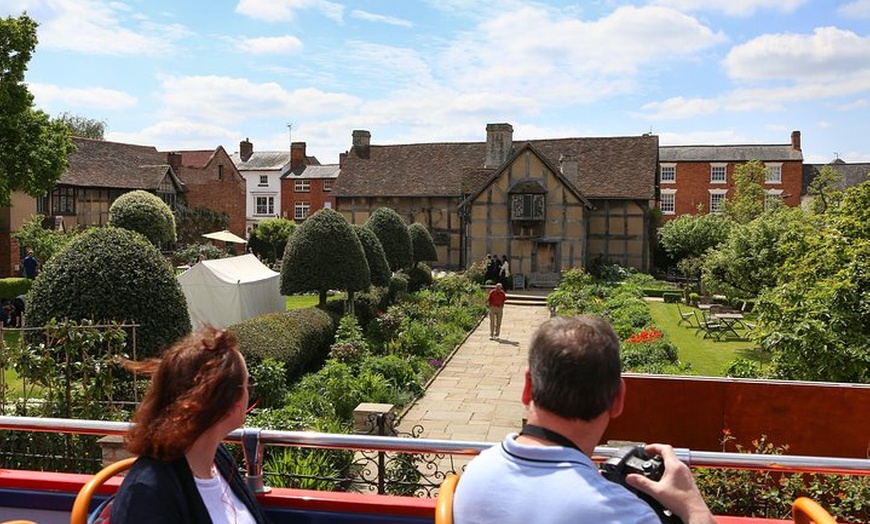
31	265
496	302
504	272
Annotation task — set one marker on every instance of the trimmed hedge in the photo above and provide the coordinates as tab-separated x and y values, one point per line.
298	338
672	297
14	286
393	234
144	213
423	247
379	268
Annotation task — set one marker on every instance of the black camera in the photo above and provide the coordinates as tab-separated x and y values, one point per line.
635	459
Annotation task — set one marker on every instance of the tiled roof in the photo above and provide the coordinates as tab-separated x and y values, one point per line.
853	174
729	153
98	163
262	161
621	167
196	158
314	172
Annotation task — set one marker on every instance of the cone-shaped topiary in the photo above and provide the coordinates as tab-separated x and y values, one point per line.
379	270
324	253
422	244
145	213
393	234
108	274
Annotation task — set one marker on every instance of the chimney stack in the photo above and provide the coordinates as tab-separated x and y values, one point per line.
499	142
568	166
246	149
796	140
297	155
174	160
362	141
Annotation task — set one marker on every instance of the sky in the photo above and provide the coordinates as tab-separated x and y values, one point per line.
197	74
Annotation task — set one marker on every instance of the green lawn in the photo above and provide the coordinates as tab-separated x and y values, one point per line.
310	300
707	357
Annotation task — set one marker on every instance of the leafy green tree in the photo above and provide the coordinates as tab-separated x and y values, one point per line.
817	320
687	238
378	268
324	254
144	213
748	200
824	190
44	242
193	222
33	149
82	126
422	244
272	234
391	230
112	274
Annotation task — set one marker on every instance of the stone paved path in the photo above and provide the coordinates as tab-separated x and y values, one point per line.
477	394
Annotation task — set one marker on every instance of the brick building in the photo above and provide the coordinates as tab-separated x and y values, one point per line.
700	177
307	186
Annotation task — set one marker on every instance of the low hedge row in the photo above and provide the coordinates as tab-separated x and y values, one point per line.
298	338
14	286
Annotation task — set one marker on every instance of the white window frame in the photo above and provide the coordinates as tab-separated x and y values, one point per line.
301	210
268	205
672	169
264	181
717	168
774	173
720	196
327	185
302	186
668	202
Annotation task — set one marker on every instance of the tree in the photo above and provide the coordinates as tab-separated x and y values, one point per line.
44	242
193	222
112	274
33	149
82	126
824	190
423	247
748	200
144	213
271	235
324	254
379	269
390	229
687	238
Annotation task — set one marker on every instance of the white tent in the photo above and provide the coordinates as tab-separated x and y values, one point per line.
225	291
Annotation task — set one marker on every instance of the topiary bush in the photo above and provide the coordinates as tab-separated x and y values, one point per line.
112	274
298	338
144	213
422	246
13	286
379	269
393	234
419	277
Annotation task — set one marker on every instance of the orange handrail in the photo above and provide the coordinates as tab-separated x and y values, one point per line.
79	514
444	502
805	510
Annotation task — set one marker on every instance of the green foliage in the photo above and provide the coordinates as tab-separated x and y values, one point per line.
397	370
824	190
747	203
379	269
390	229
350	345
14	286
303	468
44	242
33	149
744	368
193	253
341	390
689	237
271	236
419	277
672	298
193	222
271	379
324	254
398	287
299	339
422	245
112	274
144	213
477	272
82	126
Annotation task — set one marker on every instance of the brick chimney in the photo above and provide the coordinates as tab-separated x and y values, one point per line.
362	141
499	142
246	149
174	160
297	155
568	166
796	140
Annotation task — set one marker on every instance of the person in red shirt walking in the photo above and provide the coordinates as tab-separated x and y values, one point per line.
496	301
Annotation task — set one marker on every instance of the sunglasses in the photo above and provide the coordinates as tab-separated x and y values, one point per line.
251	385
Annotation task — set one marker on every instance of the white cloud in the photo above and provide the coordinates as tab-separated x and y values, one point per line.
734	7
385	19
270	45
93	27
284	10
61	98
854	105
856	9
177	134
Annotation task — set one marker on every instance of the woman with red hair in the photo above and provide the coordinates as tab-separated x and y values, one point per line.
199	392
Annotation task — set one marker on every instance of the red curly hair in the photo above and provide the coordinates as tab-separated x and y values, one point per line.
193	386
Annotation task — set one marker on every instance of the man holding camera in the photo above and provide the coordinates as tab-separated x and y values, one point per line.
545	474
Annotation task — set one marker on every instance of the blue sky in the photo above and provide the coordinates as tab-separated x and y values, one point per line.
195	74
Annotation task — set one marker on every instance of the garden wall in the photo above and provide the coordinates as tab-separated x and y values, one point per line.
821	419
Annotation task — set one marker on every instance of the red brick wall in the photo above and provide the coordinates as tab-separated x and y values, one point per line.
316	197
693	185
226	194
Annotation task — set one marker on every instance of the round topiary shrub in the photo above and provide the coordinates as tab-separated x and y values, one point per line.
144	213
379	269
422	244
112	274
393	234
